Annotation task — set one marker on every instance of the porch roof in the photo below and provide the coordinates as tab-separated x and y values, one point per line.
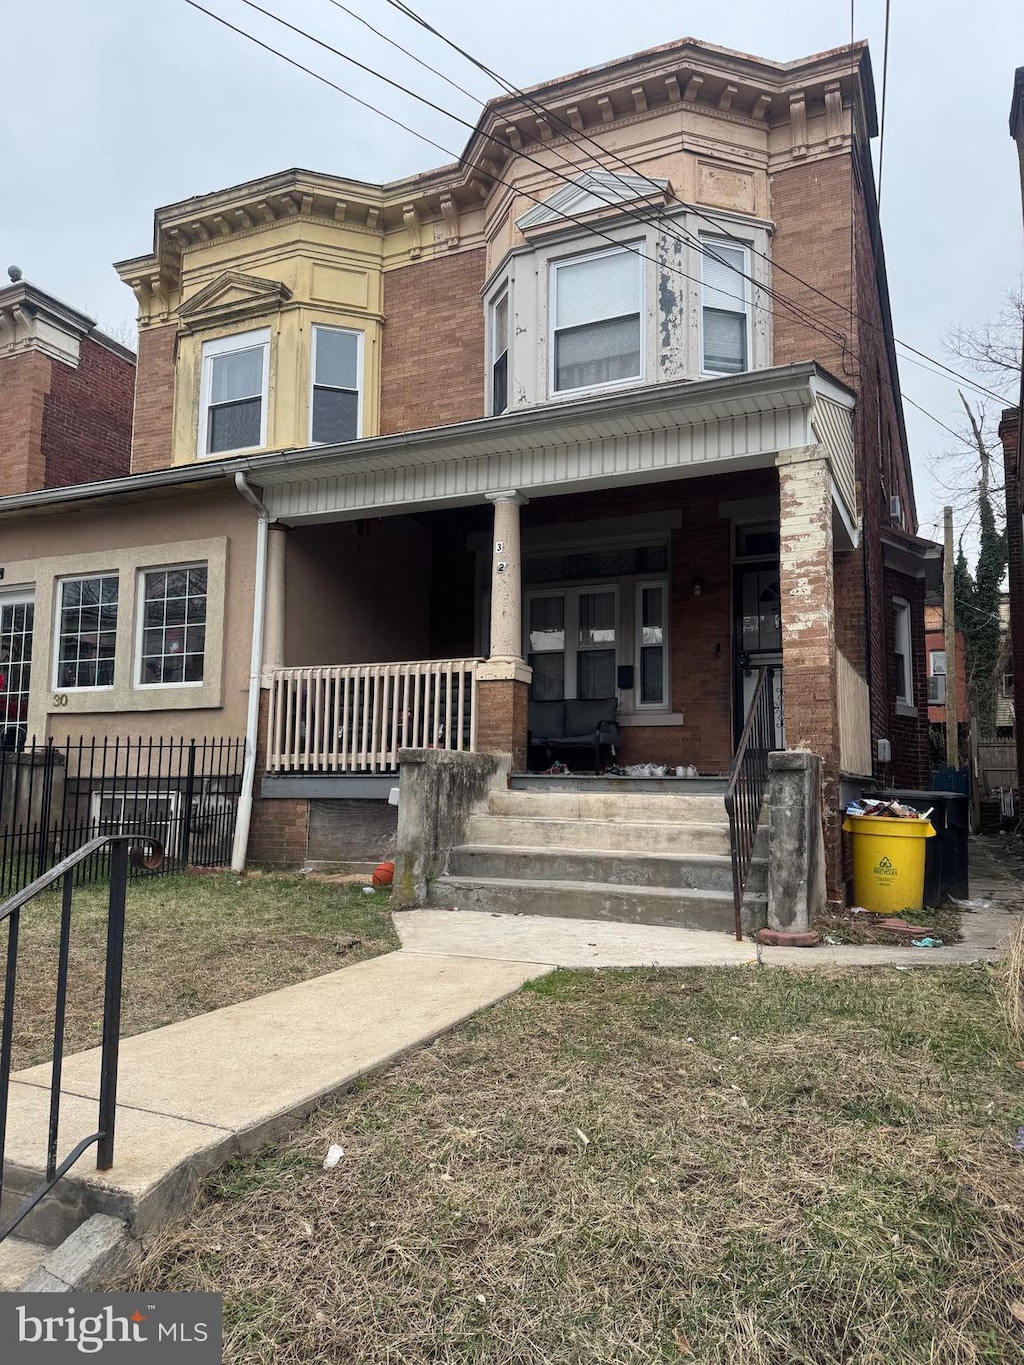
661	431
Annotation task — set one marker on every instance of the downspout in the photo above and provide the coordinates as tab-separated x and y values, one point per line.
243	817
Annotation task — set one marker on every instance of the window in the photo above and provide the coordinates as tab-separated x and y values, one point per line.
650	648
725	307
337	362
902	662
595	327
936	662
86	632
597	613
233	393
16	618
499	354
156	813
172	626
546	647
1007	684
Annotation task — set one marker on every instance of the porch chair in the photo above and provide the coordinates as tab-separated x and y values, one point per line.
574	724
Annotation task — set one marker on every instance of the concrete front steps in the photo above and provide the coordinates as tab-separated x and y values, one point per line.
18	1258
574	851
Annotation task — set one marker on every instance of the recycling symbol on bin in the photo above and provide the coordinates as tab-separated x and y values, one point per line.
884	868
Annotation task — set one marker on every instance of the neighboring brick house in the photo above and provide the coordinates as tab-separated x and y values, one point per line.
66	393
607	411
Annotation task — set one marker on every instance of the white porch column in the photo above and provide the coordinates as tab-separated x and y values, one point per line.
506	646
273	619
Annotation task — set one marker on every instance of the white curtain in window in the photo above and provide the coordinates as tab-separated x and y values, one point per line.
237	375
337	358
597	288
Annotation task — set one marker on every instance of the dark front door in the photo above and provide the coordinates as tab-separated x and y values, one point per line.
757	614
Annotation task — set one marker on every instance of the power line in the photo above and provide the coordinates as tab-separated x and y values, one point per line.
244	33
885	86
511	89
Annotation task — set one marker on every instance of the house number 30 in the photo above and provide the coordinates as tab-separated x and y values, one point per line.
60	699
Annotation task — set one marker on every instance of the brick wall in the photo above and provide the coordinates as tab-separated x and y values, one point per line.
154	400
87	422
432	358
24	383
279	831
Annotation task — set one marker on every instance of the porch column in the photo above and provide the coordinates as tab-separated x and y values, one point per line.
504	678
809	628
273	619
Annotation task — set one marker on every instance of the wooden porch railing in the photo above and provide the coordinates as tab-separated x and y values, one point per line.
354	718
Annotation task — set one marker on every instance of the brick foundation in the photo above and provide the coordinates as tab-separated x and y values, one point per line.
279	831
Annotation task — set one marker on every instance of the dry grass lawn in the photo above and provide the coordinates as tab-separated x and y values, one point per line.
737	1167
192	944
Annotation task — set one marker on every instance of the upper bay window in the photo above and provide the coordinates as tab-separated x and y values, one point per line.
725	307
233	393
337	373
499	353
596	306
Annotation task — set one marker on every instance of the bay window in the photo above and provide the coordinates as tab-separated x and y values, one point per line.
233	393
499	354
725	307
595	308
336	367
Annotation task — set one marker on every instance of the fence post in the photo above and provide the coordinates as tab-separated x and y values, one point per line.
45	802
112	1002
186	818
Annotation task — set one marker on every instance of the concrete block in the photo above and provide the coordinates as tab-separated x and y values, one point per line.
100	1251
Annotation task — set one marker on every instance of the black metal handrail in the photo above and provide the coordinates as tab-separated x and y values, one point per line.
123	848
748	780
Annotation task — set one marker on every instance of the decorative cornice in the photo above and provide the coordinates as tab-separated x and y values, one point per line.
233	297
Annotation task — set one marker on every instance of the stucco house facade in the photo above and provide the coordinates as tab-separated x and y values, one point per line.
606	412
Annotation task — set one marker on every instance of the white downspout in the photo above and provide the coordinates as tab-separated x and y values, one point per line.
243	816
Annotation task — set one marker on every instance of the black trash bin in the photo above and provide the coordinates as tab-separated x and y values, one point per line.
945	868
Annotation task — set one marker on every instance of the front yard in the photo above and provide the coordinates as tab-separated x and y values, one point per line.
732	1166
192	943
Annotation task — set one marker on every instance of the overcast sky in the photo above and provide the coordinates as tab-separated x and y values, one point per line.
113	107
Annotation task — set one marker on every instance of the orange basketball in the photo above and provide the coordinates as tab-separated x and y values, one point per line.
383	874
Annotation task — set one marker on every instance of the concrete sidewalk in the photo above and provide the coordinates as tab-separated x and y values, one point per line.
997	898
195	1093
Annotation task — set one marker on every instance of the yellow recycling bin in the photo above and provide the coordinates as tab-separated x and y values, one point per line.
888	862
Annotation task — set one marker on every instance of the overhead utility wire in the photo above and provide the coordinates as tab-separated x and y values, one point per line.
885	86
511	89
390	118
807	319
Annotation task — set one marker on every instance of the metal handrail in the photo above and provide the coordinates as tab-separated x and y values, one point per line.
122	851
748	781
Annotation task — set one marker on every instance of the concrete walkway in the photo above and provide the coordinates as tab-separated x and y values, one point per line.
197	1092
996	899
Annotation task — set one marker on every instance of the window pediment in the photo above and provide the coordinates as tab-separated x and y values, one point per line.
233	297
592	193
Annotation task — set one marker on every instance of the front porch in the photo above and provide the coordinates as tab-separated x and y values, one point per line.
654	572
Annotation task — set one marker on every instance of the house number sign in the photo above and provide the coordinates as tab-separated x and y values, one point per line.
499	547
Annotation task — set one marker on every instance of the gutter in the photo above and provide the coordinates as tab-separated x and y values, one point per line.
243	816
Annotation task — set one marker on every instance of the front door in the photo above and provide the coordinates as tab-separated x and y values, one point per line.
758	639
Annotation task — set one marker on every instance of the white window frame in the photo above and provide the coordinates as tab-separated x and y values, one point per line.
241	341
58	613
573	648
743	293
902	635
316	328
934	672
169	828
504	294
140	609
636	248
638	703
18	597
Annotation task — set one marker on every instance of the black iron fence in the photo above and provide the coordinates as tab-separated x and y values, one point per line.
55	797
748	781
120	852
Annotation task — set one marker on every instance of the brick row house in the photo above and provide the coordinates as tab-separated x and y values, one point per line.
602	419
66	395
1013	465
